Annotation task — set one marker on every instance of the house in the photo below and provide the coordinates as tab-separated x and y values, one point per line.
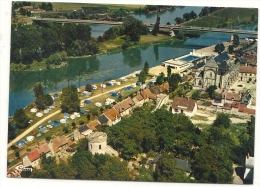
148	95
113	116
84	131
138	100
247	73
58	145
249	168
125	107
102	120
32	158
155	160
93	124
183	105
44	149
230	97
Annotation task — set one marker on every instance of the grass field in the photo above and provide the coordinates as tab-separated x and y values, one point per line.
76	6
226	17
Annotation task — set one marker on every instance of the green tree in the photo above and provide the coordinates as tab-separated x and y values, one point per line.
235	40
134	28
195	95
212	166
82	145
167	171
160	78
41	174
142	77
222	120
219	47
174	81
169	72
146	67
230	49
69	99
11	132
88	87
38	90
21	118
211	91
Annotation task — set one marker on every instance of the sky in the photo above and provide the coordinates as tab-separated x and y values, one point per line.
5	22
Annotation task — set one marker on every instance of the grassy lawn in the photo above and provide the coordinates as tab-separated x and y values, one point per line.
198	117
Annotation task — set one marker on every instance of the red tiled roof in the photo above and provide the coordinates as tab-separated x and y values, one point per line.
246	110
34	155
247	69
230	96
139	97
249	57
124	105
112	114
235	104
182	103
164	87
70	142
146	93
44	148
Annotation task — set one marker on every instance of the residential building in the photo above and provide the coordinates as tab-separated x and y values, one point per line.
125	107
183	105
32	158
113	116
58	145
93	124
247	73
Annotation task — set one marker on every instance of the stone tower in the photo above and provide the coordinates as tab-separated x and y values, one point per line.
97	143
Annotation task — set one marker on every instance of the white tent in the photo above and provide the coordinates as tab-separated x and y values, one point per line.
39	114
77	115
72	116
63	120
33	110
30	138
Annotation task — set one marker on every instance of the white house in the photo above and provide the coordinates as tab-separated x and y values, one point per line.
183	105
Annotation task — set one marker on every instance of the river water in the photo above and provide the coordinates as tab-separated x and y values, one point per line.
94	69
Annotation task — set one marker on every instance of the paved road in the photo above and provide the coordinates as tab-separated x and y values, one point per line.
53	114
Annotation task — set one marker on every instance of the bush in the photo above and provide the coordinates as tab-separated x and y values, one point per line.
65	129
48	138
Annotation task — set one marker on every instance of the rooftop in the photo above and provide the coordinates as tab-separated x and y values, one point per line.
183	103
247	69
34	155
98	137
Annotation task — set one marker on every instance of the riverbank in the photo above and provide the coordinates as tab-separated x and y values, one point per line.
110	46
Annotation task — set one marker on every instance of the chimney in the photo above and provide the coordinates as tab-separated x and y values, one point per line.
247	155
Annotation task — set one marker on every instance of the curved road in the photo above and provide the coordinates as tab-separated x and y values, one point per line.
27	131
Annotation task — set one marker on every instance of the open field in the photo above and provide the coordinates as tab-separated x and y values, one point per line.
226	17
76	6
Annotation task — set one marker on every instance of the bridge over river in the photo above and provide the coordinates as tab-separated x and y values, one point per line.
171	27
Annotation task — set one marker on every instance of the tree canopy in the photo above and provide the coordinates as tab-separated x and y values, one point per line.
21	118
69	99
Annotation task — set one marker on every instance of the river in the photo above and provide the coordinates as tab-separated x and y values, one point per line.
94	69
